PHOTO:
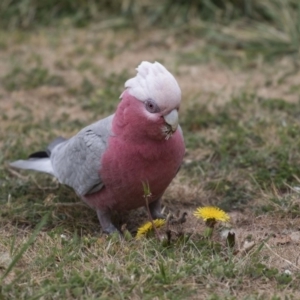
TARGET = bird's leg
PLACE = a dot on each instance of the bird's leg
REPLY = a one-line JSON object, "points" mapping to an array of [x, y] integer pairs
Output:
{"points": [[155, 209], [104, 217]]}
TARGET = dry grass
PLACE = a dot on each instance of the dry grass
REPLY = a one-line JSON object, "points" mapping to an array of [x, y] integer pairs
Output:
{"points": [[242, 154]]}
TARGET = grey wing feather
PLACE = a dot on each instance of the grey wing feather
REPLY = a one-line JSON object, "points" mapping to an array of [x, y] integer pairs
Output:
{"points": [[76, 162]]}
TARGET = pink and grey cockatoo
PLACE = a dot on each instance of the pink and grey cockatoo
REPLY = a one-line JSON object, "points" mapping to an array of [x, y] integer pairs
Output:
{"points": [[107, 162]]}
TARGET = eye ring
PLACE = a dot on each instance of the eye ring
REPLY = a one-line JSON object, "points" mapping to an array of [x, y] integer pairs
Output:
{"points": [[151, 106]]}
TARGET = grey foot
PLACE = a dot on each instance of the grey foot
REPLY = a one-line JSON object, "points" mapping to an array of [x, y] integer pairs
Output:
{"points": [[155, 210], [105, 221]]}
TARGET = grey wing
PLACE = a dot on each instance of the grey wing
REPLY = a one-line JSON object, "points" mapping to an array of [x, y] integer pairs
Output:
{"points": [[77, 161]]}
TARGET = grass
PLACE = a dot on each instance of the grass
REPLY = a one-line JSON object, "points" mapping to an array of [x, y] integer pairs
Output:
{"points": [[132, 271], [19, 78], [244, 143], [240, 117], [25, 14], [277, 21]]}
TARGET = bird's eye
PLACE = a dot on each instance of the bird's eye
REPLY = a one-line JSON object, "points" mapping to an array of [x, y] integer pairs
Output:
{"points": [[151, 106]]}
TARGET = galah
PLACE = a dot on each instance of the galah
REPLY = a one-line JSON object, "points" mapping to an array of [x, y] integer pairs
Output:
{"points": [[108, 163]]}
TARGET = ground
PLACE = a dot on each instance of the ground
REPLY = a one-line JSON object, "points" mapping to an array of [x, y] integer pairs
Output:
{"points": [[240, 118]]}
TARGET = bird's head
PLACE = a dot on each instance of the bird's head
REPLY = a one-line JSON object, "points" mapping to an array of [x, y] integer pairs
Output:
{"points": [[151, 100]]}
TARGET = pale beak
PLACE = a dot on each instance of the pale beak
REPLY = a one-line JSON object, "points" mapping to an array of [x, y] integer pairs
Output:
{"points": [[172, 119]]}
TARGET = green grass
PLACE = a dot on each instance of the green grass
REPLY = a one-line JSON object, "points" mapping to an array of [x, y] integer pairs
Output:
{"points": [[20, 78], [270, 27], [86, 267], [111, 91], [26, 14], [245, 145]]}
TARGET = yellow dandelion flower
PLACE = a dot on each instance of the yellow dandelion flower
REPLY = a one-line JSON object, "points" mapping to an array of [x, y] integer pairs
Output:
{"points": [[148, 227], [211, 212]]}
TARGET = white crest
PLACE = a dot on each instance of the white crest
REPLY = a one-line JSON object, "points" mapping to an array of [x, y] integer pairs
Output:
{"points": [[154, 81]]}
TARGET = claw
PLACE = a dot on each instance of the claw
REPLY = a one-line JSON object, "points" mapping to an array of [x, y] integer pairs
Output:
{"points": [[155, 209], [105, 221]]}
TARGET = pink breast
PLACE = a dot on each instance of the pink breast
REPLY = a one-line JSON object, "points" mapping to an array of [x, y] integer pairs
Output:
{"points": [[126, 166]]}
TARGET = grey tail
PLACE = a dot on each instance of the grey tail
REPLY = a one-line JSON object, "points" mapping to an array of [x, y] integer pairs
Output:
{"points": [[39, 161]]}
